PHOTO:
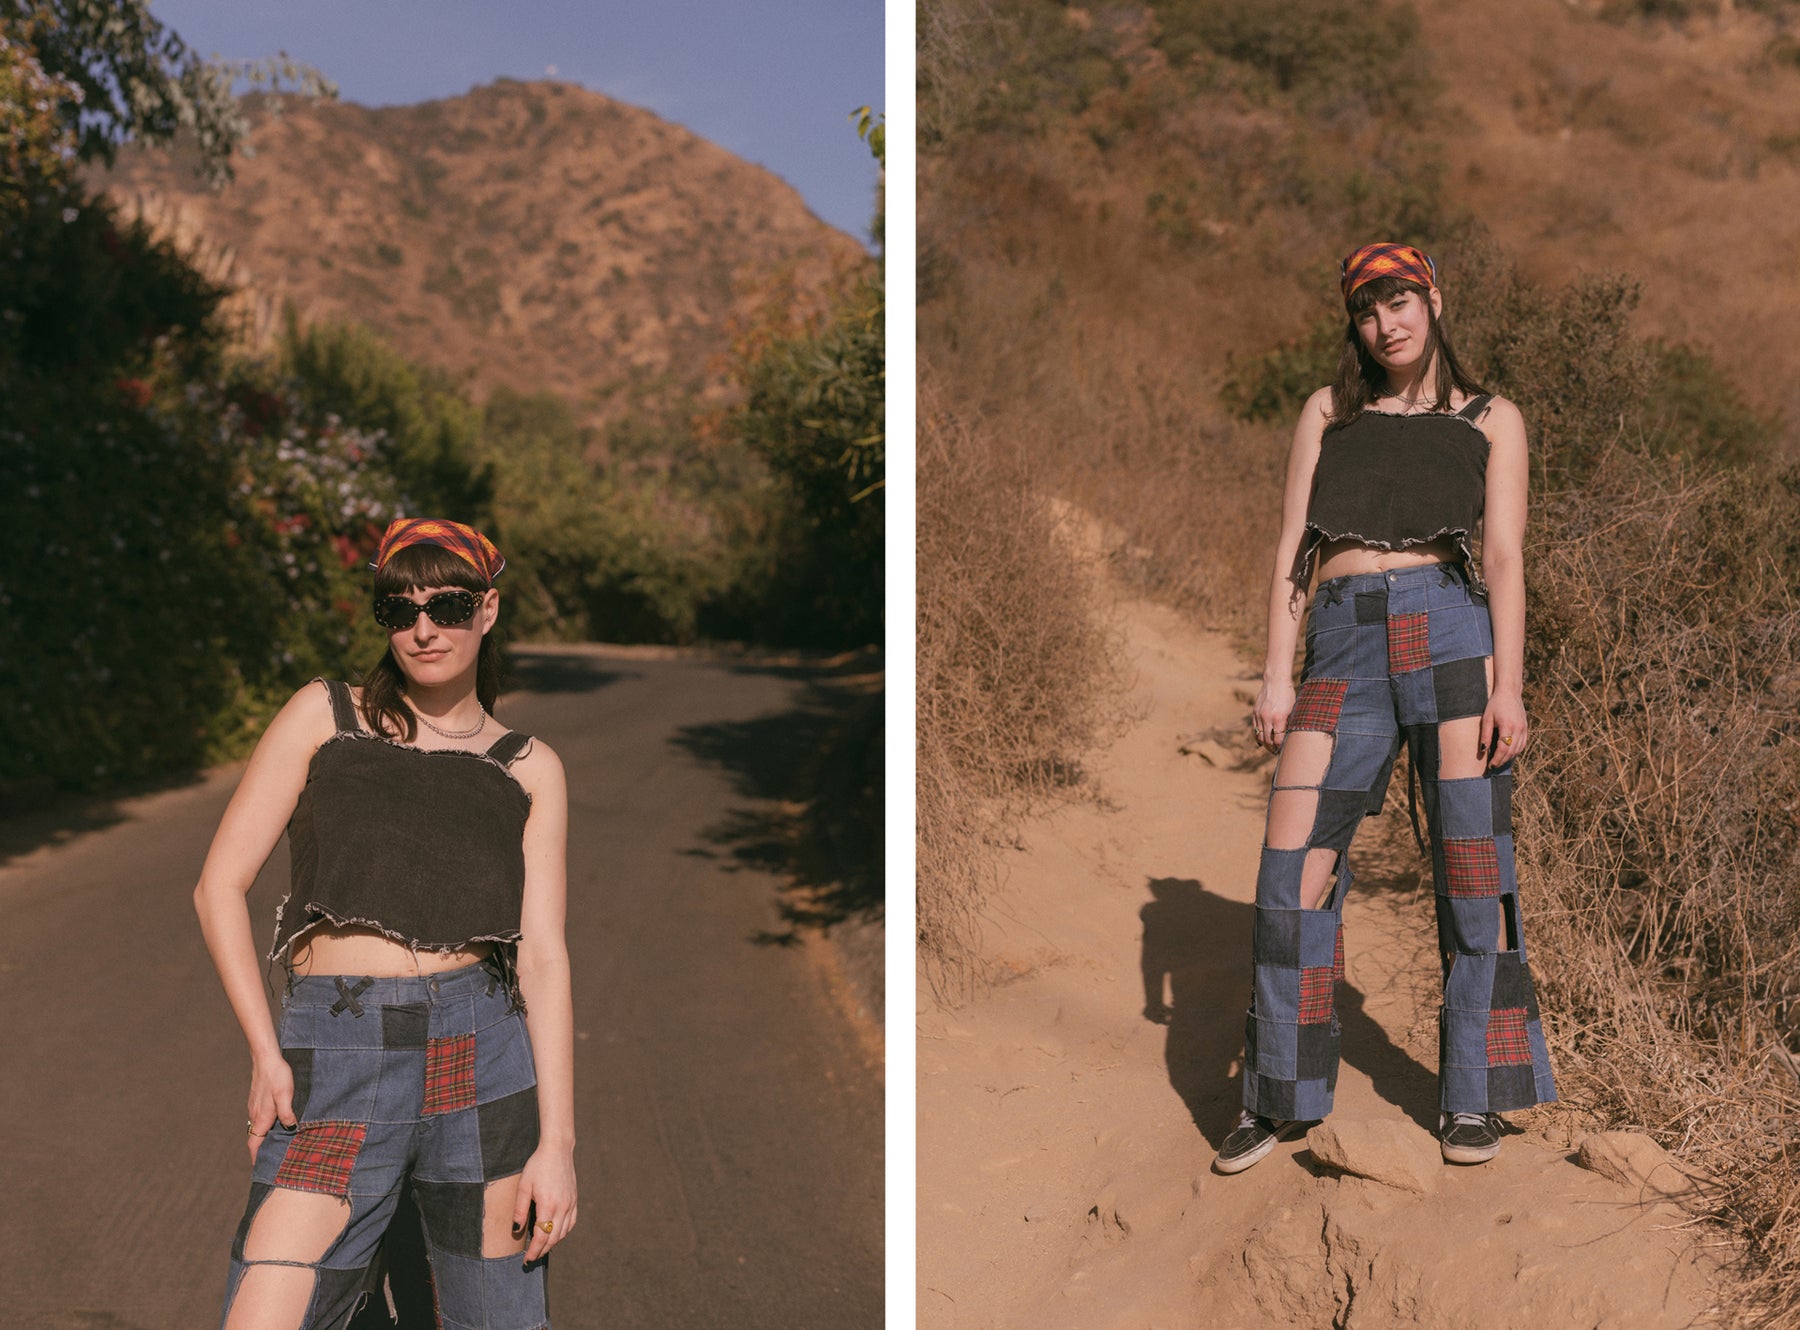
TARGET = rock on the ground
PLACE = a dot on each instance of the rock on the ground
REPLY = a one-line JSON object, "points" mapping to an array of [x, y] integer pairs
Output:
{"points": [[1634, 1160], [1397, 1154]]}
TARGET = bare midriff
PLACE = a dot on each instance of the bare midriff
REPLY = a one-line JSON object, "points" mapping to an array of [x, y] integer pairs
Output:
{"points": [[1346, 558], [327, 949]]}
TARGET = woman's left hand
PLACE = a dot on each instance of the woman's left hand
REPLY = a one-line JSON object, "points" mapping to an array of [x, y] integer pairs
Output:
{"points": [[1504, 729], [548, 1183]]}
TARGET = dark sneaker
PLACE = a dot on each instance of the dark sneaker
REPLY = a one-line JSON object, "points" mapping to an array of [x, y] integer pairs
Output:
{"points": [[1469, 1138], [1251, 1139]]}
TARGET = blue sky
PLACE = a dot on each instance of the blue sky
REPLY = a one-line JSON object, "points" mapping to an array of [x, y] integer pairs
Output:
{"points": [[773, 82]]}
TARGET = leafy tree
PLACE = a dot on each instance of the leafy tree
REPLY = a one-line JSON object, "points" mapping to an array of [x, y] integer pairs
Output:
{"points": [[429, 430], [814, 409], [122, 76]]}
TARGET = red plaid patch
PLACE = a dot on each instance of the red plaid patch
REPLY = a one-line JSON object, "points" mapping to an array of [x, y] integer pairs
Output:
{"points": [[449, 1074], [1317, 985], [1318, 705], [1472, 866], [1337, 960], [321, 1157], [1507, 1042], [1409, 643]]}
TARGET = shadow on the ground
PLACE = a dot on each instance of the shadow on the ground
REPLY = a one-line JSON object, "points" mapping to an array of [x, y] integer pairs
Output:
{"points": [[559, 672], [812, 780], [31, 819], [1198, 942]]}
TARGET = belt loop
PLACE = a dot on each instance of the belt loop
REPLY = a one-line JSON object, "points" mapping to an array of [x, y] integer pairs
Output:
{"points": [[1334, 592]]}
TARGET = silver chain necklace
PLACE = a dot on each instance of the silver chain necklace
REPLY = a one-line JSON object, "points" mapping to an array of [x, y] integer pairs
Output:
{"points": [[452, 734]]}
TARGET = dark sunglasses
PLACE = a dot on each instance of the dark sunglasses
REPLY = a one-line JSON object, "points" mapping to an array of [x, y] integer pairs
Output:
{"points": [[445, 608]]}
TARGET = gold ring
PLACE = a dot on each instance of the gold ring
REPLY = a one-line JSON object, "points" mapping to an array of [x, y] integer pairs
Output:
{"points": [[1506, 739], [546, 1225]]}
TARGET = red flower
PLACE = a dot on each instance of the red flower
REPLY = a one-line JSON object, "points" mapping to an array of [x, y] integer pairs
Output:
{"points": [[135, 392], [347, 552]]}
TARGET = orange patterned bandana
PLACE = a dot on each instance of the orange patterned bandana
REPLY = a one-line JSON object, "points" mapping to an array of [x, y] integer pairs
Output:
{"points": [[465, 542], [1386, 259]]}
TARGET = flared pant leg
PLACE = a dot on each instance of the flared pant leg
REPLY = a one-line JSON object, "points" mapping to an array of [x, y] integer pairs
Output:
{"points": [[1394, 657]]}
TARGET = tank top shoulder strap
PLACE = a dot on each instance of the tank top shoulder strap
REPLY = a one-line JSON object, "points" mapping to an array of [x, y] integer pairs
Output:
{"points": [[1473, 408], [508, 746], [343, 709]]}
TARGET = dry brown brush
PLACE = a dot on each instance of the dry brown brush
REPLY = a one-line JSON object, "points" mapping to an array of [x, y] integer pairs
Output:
{"points": [[1658, 824], [1018, 670]]}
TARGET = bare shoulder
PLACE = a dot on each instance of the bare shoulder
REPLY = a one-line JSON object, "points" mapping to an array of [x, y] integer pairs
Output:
{"points": [[539, 769], [306, 718], [1501, 417], [1318, 406]]}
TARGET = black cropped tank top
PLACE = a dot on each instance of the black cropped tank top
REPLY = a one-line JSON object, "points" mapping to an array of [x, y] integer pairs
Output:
{"points": [[423, 845], [1392, 481]]}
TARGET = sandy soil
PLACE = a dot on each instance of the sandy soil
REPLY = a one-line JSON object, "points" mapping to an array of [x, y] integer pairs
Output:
{"points": [[1065, 1139]]}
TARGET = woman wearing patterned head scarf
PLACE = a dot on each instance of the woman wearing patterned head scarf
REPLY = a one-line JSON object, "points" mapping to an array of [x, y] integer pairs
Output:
{"points": [[1393, 469], [425, 1036]]}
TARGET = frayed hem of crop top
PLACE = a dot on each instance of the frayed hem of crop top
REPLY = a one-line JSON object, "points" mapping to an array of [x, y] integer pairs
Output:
{"points": [[317, 914], [1317, 536]]}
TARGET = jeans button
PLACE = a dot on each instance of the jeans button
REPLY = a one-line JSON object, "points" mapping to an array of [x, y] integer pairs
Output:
{"points": [[434, 986]]}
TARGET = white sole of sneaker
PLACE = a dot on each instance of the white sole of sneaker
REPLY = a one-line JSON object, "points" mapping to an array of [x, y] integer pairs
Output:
{"points": [[1261, 1152], [1464, 1154]]}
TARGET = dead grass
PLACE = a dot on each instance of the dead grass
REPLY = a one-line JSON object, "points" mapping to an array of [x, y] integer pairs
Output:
{"points": [[1019, 673], [1084, 298]]}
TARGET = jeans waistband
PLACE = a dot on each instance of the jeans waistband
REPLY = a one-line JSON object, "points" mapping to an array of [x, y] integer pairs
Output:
{"points": [[393, 990], [1445, 574]]}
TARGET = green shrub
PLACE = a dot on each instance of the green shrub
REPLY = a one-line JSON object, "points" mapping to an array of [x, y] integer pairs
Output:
{"points": [[814, 412]]}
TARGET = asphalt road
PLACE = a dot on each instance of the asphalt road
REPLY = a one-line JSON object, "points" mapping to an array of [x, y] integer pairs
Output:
{"points": [[729, 1126]]}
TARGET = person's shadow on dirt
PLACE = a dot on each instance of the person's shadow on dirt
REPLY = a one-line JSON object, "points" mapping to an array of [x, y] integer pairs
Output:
{"points": [[1199, 942]]}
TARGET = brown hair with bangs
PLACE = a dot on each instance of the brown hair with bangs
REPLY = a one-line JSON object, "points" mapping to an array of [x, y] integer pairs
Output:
{"points": [[1360, 376], [384, 707]]}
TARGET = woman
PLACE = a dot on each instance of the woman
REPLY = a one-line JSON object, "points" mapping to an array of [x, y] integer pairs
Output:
{"points": [[1390, 471], [426, 1033]]}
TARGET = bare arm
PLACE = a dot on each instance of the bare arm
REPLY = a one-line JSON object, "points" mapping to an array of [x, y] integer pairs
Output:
{"points": [[1287, 600], [252, 824], [549, 1178], [1503, 566]]}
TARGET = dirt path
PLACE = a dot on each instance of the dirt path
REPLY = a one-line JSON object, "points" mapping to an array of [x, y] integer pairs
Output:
{"points": [[1065, 1140], [729, 1123]]}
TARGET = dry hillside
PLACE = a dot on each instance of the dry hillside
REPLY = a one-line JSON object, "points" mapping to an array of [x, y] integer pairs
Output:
{"points": [[532, 235], [1668, 151]]}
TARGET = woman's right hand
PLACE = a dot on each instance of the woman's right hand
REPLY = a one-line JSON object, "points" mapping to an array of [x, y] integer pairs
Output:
{"points": [[1270, 716], [271, 1099]]}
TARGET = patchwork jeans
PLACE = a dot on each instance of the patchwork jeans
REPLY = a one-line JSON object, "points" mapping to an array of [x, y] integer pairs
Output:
{"points": [[1390, 657], [426, 1076]]}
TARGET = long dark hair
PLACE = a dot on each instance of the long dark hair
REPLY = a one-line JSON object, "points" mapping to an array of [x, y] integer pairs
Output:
{"points": [[1360, 376], [384, 686]]}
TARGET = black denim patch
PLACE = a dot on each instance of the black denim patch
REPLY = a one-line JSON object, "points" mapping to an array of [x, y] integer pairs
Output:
{"points": [[1500, 786], [403, 1025], [509, 1133], [1371, 606], [1275, 1099], [1338, 815], [338, 1294], [451, 1214], [1277, 938], [259, 1192], [300, 1062], [1512, 983], [1461, 687], [1318, 1053], [1512, 1086]]}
